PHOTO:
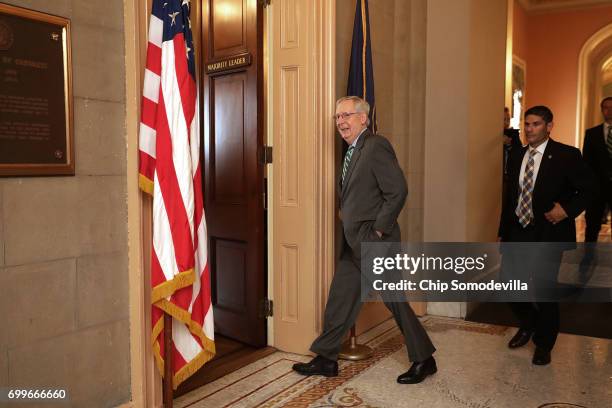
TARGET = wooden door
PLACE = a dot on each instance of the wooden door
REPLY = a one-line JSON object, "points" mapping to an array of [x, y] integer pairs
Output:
{"points": [[232, 90]]}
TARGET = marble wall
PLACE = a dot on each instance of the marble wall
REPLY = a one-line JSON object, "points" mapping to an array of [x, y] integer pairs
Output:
{"points": [[63, 240], [398, 38]]}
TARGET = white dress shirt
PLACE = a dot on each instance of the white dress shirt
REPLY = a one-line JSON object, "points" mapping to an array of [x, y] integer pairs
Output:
{"points": [[358, 136], [537, 159]]}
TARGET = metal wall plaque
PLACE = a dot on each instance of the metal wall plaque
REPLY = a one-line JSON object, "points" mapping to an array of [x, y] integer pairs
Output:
{"points": [[35, 94], [230, 64]]}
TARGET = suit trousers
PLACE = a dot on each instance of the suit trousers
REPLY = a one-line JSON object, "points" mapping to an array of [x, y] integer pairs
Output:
{"points": [[540, 268], [595, 212], [344, 304]]}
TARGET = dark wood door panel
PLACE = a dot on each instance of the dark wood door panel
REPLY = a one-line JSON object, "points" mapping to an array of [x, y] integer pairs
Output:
{"points": [[230, 258], [234, 297], [228, 27], [233, 175], [228, 144]]}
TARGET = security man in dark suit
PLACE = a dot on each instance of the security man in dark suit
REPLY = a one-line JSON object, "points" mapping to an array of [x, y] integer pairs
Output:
{"points": [[372, 191], [549, 186], [597, 152]]}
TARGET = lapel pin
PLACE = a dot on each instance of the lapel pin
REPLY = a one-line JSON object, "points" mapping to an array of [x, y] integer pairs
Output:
{"points": [[550, 156]]}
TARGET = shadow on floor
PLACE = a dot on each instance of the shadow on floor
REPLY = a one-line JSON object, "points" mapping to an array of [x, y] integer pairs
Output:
{"points": [[584, 319]]}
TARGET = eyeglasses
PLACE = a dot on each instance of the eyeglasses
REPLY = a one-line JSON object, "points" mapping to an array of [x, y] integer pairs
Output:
{"points": [[344, 115]]}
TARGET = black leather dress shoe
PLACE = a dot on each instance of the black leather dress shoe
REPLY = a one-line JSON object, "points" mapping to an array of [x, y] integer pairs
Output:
{"points": [[520, 338], [541, 356], [418, 372], [318, 366]]}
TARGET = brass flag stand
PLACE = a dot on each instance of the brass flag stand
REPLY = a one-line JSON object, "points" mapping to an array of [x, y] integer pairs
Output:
{"points": [[353, 351]]}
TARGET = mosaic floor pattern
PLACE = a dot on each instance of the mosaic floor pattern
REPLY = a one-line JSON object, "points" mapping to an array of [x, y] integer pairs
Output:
{"points": [[475, 370]]}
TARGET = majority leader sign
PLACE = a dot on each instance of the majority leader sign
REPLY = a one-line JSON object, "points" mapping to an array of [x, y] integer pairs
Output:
{"points": [[35, 94]]}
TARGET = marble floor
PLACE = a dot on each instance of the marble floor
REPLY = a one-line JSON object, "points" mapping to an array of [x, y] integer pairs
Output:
{"points": [[475, 370]]}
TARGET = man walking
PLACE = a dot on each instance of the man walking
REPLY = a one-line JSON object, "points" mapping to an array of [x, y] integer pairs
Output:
{"points": [[372, 193], [597, 151], [549, 186]]}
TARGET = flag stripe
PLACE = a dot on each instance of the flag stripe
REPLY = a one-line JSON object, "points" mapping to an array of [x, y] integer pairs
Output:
{"points": [[175, 210], [149, 113], [185, 344], [151, 86], [170, 170], [154, 58], [185, 83], [157, 272], [177, 126], [147, 140], [164, 248], [194, 135], [156, 31], [181, 179], [178, 361]]}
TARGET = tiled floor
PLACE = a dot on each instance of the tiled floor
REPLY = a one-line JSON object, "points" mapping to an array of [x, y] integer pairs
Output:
{"points": [[475, 370]]}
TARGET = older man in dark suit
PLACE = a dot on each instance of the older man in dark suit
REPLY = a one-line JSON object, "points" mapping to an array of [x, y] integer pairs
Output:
{"points": [[549, 186], [372, 193], [597, 153]]}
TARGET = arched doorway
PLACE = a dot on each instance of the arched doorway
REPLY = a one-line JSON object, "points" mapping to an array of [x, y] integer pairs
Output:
{"points": [[594, 58]]}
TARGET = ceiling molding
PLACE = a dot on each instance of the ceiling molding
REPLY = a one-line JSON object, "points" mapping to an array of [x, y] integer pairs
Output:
{"points": [[555, 5]]}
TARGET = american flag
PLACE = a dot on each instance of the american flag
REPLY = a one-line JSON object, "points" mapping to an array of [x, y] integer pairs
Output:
{"points": [[170, 170]]}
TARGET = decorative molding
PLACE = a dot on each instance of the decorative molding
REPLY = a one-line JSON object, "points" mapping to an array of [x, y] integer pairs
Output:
{"points": [[555, 5], [589, 48], [290, 24], [290, 284], [606, 72], [324, 69], [303, 205], [145, 384], [290, 135]]}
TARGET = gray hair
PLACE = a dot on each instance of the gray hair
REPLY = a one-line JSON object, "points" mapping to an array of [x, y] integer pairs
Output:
{"points": [[360, 104]]}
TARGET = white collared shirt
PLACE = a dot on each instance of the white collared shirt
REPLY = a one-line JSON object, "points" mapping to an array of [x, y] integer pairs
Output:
{"points": [[537, 159], [357, 138]]}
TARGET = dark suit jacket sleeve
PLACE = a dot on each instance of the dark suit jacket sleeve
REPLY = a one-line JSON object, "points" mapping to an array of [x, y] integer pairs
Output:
{"points": [[582, 181], [510, 196], [587, 150], [508, 205], [392, 185], [514, 135], [502, 218]]}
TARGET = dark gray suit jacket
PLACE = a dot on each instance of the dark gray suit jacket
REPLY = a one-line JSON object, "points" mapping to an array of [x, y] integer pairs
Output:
{"points": [[373, 193]]}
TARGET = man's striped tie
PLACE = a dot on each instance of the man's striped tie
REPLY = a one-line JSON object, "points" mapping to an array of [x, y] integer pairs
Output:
{"points": [[524, 211], [347, 161], [609, 141]]}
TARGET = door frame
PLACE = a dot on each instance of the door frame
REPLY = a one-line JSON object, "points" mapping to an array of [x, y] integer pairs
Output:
{"points": [[145, 382], [588, 108], [244, 324], [300, 85]]}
